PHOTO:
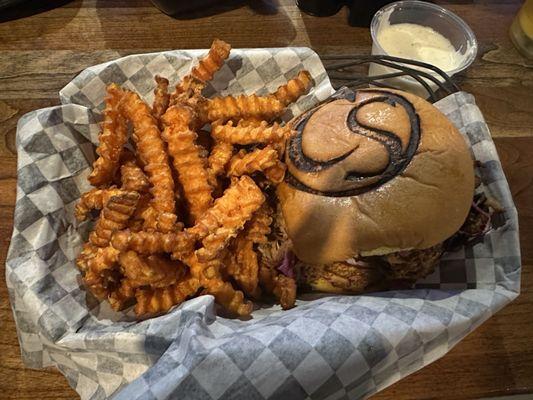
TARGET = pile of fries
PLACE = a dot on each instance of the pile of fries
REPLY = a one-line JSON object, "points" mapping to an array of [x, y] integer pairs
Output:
{"points": [[186, 201]]}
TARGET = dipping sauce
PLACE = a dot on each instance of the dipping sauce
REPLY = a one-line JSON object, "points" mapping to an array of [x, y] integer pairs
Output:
{"points": [[420, 43], [422, 32]]}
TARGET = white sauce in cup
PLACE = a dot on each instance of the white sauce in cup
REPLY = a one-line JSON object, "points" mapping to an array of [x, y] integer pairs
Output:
{"points": [[420, 43], [422, 32]]}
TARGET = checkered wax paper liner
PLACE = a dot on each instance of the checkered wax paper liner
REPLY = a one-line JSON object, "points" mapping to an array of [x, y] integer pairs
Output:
{"points": [[327, 347]]}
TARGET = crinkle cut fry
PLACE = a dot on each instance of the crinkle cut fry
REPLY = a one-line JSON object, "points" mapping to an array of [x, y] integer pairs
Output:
{"points": [[101, 276], [97, 265], [212, 62], [293, 89], [114, 217], [208, 273], [177, 243], [94, 199], [153, 221], [221, 154], [232, 209], [253, 106], [228, 215], [159, 221], [192, 84], [152, 301], [188, 92], [240, 107], [161, 97], [250, 122], [244, 163], [223, 220], [243, 265], [187, 159], [281, 286], [258, 228], [279, 146], [152, 152], [231, 299], [285, 291], [276, 173], [137, 221], [133, 178], [100, 285], [111, 139], [123, 296], [271, 280], [154, 270], [250, 134], [104, 258], [87, 252]]}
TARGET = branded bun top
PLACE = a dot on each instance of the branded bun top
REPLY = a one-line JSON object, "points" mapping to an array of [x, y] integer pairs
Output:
{"points": [[379, 172]]}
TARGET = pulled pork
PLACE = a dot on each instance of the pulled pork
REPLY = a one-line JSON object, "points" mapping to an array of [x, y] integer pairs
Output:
{"points": [[399, 269]]}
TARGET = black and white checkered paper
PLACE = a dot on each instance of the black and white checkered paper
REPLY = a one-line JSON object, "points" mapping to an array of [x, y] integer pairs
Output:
{"points": [[328, 347]]}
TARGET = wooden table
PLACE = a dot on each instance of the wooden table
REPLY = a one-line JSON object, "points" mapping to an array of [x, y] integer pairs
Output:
{"points": [[39, 54]]}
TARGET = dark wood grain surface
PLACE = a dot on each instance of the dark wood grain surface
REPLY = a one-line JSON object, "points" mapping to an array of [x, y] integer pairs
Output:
{"points": [[40, 53]]}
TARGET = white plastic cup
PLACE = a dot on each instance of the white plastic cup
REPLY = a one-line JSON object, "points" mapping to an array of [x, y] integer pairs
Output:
{"points": [[439, 19]]}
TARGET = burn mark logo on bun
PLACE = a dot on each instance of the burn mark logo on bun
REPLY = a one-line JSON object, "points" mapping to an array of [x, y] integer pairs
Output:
{"points": [[394, 151]]}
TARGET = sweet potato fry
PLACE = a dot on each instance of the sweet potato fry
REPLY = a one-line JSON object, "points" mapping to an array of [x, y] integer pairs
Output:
{"points": [[187, 159], [240, 107], [97, 284], [104, 258], [293, 89], [152, 152], [231, 299], [245, 267], [253, 106], [179, 243], [243, 263], [161, 98], [212, 62], [245, 135], [228, 215], [258, 228], [208, 274], [113, 217], [133, 178], [153, 270], [285, 291], [88, 251], [276, 173], [281, 286], [98, 268], [94, 199], [221, 154], [244, 163], [155, 301], [111, 140], [123, 296], [231, 210], [192, 84]]}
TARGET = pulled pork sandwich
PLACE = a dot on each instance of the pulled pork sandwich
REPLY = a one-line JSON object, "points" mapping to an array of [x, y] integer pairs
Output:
{"points": [[379, 185]]}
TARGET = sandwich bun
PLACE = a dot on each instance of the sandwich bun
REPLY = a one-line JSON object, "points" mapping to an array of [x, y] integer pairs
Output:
{"points": [[380, 172]]}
